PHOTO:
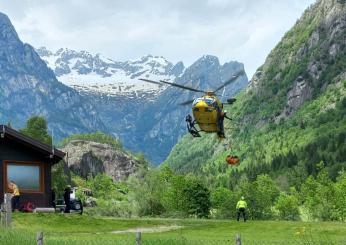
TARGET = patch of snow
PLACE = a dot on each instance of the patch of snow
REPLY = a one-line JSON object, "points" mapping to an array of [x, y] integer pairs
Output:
{"points": [[110, 77]]}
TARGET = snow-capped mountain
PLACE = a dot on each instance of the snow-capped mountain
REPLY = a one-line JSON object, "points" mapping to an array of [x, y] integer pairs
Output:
{"points": [[97, 74]]}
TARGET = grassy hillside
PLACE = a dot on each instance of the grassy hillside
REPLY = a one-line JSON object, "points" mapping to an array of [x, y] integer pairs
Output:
{"points": [[292, 116]]}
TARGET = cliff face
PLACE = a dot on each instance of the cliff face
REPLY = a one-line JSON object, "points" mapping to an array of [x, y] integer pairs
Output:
{"points": [[309, 58], [91, 158], [28, 87]]}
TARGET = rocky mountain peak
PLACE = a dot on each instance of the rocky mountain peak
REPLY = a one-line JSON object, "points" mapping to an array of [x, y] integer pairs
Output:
{"points": [[7, 31], [178, 69], [43, 51], [207, 73], [207, 60]]}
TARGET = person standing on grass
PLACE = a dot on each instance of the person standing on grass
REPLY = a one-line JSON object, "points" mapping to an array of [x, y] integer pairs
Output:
{"points": [[67, 198], [241, 208], [15, 196]]}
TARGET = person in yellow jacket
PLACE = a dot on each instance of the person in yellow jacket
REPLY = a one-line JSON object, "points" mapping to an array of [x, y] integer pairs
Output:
{"points": [[241, 208], [15, 196]]}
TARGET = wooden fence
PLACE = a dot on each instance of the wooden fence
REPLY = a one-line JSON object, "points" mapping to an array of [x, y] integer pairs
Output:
{"points": [[138, 239], [6, 211]]}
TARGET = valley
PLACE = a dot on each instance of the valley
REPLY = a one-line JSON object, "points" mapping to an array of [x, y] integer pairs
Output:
{"points": [[131, 162]]}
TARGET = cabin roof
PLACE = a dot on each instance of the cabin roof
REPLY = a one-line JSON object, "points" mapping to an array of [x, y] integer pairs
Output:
{"points": [[9, 133]]}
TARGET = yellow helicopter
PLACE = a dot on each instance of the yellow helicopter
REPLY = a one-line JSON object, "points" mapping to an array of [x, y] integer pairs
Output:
{"points": [[207, 110]]}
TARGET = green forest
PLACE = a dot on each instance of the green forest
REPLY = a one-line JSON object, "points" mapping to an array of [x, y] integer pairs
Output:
{"points": [[164, 192]]}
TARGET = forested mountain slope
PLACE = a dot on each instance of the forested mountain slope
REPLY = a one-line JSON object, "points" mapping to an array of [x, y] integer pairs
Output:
{"points": [[292, 115]]}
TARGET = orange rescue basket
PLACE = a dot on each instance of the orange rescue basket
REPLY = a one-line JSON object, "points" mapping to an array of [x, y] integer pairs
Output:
{"points": [[232, 160]]}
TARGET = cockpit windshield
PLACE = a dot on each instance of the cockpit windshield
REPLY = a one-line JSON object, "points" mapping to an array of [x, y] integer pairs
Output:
{"points": [[209, 101]]}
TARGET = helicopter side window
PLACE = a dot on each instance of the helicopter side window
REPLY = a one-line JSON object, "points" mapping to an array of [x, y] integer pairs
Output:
{"points": [[196, 101]]}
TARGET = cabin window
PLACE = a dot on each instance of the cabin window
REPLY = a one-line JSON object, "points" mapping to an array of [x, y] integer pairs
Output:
{"points": [[27, 176]]}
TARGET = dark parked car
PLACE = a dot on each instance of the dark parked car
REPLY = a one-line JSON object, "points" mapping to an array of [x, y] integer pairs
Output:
{"points": [[76, 206]]}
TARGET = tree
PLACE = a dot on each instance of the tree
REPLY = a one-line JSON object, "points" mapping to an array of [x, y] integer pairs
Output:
{"points": [[198, 198], [61, 177], [340, 187], [260, 196], [174, 198], [36, 127], [288, 206], [319, 195], [102, 186], [148, 193], [223, 202]]}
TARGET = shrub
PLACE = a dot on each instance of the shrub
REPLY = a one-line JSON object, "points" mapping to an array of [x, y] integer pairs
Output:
{"points": [[223, 202], [288, 206], [197, 197]]}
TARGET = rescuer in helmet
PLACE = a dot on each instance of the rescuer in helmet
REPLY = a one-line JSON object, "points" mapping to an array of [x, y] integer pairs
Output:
{"points": [[241, 208]]}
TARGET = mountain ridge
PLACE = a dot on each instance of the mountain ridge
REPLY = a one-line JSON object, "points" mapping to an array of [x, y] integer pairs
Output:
{"points": [[90, 73]]}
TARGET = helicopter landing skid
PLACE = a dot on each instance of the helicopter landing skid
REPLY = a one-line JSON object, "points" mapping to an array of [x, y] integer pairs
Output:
{"points": [[191, 126]]}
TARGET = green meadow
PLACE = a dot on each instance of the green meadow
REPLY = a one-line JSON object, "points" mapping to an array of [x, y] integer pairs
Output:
{"points": [[84, 230]]}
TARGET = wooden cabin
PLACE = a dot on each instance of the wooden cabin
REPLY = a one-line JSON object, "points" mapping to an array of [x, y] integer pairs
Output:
{"points": [[27, 162]]}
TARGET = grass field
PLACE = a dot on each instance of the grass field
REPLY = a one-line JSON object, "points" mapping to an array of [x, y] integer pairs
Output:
{"points": [[76, 229]]}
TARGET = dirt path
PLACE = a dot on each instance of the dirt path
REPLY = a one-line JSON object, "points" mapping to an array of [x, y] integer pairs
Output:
{"points": [[155, 229]]}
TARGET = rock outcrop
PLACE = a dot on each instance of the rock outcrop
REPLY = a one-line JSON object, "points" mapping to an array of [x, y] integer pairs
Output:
{"points": [[91, 158], [305, 62]]}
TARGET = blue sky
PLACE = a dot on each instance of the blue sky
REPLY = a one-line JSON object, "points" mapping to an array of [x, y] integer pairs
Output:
{"points": [[179, 30]]}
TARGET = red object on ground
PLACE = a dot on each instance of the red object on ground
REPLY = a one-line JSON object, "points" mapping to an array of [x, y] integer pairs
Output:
{"points": [[232, 160], [28, 207]]}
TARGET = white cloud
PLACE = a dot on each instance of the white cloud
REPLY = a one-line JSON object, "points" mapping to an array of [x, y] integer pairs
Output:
{"points": [[180, 30]]}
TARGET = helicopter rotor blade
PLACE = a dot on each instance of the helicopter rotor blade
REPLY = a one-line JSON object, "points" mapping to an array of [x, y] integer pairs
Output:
{"points": [[187, 102], [172, 84], [234, 77], [150, 81]]}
